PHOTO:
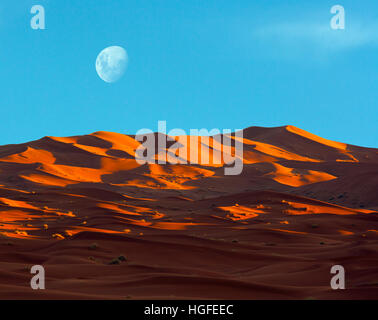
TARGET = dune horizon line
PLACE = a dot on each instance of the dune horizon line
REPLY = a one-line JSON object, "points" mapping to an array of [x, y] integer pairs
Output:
{"points": [[206, 131]]}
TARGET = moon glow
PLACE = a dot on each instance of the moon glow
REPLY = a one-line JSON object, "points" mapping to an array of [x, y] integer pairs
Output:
{"points": [[111, 63]]}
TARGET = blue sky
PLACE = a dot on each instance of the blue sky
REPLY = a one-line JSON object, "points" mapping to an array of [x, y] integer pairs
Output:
{"points": [[194, 63]]}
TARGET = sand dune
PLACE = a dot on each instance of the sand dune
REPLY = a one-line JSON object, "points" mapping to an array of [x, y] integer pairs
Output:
{"points": [[302, 204]]}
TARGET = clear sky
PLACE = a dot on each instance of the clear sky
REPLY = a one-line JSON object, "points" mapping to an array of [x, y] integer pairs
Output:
{"points": [[194, 63]]}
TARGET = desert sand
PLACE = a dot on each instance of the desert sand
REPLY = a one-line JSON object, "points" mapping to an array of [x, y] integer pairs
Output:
{"points": [[105, 227]]}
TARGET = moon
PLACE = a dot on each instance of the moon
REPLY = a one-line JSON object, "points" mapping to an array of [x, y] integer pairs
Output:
{"points": [[111, 63]]}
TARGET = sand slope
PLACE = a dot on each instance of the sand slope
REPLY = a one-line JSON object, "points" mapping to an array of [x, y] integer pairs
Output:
{"points": [[301, 205]]}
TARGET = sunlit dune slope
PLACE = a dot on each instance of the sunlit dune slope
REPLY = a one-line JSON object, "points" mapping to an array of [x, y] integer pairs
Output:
{"points": [[282, 159]]}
